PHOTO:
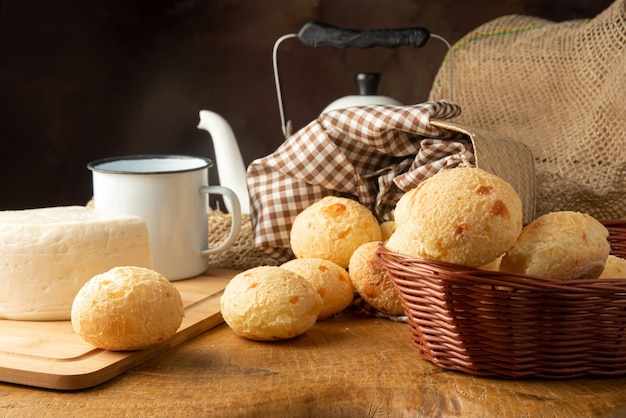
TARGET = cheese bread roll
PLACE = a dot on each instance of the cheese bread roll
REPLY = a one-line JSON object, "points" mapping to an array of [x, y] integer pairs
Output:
{"points": [[371, 281], [269, 303], [560, 245], [127, 308], [331, 282], [614, 268], [332, 228], [463, 215]]}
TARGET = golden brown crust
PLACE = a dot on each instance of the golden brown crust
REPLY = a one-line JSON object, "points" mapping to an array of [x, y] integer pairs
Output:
{"points": [[492, 266], [464, 215], [560, 245], [332, 228], [127, 308], [387, 229], [371, 281], [614, 268], [331, 282], [269, 303]]}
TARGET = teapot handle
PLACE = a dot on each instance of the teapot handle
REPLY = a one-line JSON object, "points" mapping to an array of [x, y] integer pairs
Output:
{"points": [[316, 34]]}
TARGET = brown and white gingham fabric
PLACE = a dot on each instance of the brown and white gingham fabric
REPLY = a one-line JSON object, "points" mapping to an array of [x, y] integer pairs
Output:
{"points": [[372, 154]]}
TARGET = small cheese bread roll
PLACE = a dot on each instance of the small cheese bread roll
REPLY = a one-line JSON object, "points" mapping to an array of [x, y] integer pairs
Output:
{"points": [[493, 266], [404, 211], [387, 228], [463, 215], [269, 303], [332, 228], [127, 308], [371, 281], [560, 245], [614, 268], [329, 280]]}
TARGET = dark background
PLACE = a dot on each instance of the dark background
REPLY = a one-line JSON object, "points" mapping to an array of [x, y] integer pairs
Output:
{"points": [[88, 79]]}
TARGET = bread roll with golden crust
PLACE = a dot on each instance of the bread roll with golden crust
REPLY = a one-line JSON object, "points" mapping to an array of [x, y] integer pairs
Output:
{"points": [[614, 268], [371, 281], [463, 215], [127, 308], [332, 228], [331, 282], [269, 303], [493, 266], [402, 211], [560, 245], [387, 229]]}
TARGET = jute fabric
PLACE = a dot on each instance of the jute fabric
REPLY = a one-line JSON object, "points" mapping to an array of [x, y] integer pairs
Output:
{"points": [[559, 88]]}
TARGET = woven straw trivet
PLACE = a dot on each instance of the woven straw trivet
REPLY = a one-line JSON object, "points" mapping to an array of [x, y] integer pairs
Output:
{"points": [[242, 255]]}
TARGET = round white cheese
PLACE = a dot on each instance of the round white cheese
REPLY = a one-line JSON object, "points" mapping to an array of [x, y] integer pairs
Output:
{"points": [[48, 254]]}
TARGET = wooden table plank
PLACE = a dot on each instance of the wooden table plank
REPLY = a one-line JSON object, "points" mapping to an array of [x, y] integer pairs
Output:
{"points": [[346, 366]]}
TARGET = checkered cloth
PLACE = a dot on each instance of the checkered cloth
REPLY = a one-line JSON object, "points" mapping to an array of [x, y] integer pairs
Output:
{"points": [[372, 154]]}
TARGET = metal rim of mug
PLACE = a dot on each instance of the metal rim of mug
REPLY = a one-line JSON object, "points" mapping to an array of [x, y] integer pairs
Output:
{"points": [[93, 165]]}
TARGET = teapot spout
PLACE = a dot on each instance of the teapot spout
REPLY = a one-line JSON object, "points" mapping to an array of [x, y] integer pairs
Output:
{"points": [[230, 167]]}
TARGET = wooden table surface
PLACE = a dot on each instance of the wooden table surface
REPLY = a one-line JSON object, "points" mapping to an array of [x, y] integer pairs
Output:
{"points": [[348, 366]]}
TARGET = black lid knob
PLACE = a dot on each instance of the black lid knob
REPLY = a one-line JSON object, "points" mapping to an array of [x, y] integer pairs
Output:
{"points": [[367, 83]]}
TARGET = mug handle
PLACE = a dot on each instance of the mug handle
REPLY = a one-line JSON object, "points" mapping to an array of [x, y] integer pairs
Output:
{"points": [[235, 225]]}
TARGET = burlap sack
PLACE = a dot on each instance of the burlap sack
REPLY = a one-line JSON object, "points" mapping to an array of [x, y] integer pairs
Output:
{"points": [[559, 88]]}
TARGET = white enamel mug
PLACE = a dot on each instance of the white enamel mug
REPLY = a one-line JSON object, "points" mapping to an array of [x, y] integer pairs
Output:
{"points": [[170, 193]]}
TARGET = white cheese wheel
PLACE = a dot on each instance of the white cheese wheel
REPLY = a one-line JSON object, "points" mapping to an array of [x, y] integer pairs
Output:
{"points": [[48, 254]]}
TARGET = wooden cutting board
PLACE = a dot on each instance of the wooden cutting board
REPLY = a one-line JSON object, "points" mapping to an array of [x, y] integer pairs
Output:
{"points": [[49, 354]]}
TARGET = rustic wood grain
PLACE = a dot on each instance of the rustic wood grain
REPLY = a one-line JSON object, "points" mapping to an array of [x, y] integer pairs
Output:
{"points": [[49, 354], [347, 366]]}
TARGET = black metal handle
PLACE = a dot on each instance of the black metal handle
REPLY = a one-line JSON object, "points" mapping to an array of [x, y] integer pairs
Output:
{"points": [[316, 34]]}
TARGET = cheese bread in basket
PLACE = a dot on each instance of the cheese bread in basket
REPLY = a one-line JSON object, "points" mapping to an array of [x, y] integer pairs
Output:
{"points": [[492, 323], [487, 295]]}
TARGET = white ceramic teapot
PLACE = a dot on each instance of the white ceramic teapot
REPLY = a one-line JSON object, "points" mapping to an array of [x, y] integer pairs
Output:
{"points": [[230, 167]]}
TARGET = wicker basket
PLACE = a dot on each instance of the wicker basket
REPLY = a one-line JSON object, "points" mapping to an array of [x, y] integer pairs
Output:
{"points": [[513, 326]]}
